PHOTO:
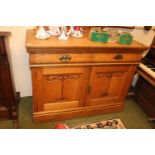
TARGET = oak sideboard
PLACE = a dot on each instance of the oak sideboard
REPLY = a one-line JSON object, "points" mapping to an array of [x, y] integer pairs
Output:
{"points": [[78, 77]]}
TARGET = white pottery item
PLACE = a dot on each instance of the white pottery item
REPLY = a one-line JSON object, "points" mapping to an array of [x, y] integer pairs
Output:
{"points": [[64, 34], [41, 33]]}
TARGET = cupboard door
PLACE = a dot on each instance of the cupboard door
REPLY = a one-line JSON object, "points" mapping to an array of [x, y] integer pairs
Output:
{"points": [[108, 84], [59, 88]]}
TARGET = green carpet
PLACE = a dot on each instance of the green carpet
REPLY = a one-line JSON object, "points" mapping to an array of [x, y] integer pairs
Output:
{"points": [[132, 116]]}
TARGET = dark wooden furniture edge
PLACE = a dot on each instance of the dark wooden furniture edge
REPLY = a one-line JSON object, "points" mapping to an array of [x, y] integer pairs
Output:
{"points": [[3, 33], [146, 76], [16, 117]]}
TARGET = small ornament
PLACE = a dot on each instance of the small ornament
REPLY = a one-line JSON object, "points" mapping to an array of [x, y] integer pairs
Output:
{"points": [[64, 34], [96, 34], [125, 38], [41, 33], [114, 35], [54, 30], [76, 31]]}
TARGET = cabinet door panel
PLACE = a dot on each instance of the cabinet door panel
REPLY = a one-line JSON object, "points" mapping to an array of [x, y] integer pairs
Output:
{"points": [[60, 88], [52, 89], [108, 84]]}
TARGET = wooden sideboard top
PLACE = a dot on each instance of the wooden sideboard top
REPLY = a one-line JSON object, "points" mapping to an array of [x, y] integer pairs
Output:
{"points": [[84, 42]]}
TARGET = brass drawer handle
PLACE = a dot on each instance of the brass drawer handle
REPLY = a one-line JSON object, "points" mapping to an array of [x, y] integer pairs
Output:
{"points": [[65, 58], [118, 57]]}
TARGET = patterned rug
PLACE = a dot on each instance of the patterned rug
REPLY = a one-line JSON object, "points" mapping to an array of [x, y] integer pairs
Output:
{"points": [[115, 123]]}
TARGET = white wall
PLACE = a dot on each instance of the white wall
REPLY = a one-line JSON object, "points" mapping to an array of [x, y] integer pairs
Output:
{"points": [[20, 59], [143, 36]]}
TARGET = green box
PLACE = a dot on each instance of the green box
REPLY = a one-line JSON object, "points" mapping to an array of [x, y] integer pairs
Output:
{"points": [[99, 37], [125, 39]]}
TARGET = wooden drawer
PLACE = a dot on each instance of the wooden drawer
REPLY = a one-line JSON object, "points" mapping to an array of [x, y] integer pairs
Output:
{"points": [[116, 57], [42, 58], [47, 58]]}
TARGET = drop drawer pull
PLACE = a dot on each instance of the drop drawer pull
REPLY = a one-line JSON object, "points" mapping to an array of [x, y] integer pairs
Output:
{"points": [[65, 58], [118, 56]]}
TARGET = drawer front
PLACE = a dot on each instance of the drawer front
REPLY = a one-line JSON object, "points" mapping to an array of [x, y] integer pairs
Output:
{"points": [[116, 57], [47, 58], [42, 58]]}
